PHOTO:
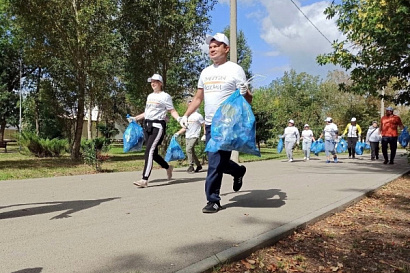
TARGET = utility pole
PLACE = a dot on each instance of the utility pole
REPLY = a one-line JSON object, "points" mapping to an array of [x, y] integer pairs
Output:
{"points": [[233, 54], [382, 104], [20, 123]]}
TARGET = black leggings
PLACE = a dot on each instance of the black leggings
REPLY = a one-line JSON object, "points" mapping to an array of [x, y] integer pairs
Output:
{"points": [[153, 138], [351, 145]]}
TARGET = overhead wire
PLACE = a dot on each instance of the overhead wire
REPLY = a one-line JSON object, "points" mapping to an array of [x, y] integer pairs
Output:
{"points": [[311, 22]]}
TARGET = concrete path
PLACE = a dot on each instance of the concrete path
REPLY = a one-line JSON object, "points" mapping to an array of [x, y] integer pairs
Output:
{"points": [[102, 223]]}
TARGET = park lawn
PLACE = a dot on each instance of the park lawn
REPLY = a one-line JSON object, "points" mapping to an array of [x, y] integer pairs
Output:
{"points": [[19, 165]]}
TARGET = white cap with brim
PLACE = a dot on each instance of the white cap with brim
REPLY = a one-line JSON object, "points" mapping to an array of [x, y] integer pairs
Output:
{"points": [[292, 121], [329, 119], [220, 37], [306, 125], [155, 77], [353, 119]]}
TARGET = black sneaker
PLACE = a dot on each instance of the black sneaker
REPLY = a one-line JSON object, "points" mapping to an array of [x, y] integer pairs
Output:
{"points": [[190, 169], [391, 162], [198, 168], [212, 207], [237, 180], [385, 162]]}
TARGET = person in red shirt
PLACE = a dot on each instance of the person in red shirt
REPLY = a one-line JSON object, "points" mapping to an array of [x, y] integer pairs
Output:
{"points": [[388, 128]]}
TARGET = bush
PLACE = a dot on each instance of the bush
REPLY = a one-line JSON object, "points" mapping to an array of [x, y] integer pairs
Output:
{"points": [[92, 151], [41, 147], [272, 142]]}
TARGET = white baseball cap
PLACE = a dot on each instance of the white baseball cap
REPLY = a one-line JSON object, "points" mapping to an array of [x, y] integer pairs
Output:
{"points": [[291, 121], [353, 119], [155, 77], [220, 37], [329, 119], [306, 125]]}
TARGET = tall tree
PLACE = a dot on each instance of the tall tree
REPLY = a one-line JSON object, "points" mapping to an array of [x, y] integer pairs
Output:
{"points": [[160, 37], [244, 52], [76, 44], [9, 69], [376, 48]]}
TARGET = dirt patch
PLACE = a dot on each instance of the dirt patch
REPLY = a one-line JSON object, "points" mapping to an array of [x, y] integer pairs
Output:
{"points": [[371, 236]]}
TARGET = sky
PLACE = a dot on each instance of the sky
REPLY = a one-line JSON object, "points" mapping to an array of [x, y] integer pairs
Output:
{"points": [[280, 36]]}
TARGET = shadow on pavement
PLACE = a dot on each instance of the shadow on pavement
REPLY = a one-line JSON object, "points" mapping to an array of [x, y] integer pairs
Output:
{"points": [[29, 270], [273, 198], [69, 207], [175, 181]]}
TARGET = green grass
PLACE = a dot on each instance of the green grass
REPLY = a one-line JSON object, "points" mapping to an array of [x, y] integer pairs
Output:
{"points": [[18, 165]]}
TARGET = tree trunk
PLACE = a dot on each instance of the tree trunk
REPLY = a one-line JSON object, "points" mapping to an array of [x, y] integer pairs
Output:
{"points": [[2, 129], [75, 151], [36, 103], [90, 121]]}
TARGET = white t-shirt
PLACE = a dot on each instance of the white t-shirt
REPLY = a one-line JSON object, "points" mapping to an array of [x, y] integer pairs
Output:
{"points": [[157, 106], [330, 131], [307, 135], [291, 134], [195, 120], [219, 82]]}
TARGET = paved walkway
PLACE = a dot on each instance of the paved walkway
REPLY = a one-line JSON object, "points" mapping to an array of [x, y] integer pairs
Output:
{"points": [[102, 223]]}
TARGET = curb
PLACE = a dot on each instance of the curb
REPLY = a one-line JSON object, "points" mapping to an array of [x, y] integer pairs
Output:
{"points": [[269, 238]]}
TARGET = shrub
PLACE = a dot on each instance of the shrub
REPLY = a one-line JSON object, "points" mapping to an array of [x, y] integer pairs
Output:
{"points": [[41, 147], [92, 151]]}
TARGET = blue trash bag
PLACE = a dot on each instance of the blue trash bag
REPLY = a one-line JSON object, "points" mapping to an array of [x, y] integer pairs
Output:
{"points": [[404, 137], [233, 127], [366, 146], [343, 145], [133, 137], [339, 148], [359, 148], [319, 147], [280, 146], [174, 151], [313, 146]]}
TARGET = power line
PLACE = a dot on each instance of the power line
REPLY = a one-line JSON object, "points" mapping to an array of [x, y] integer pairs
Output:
{"points": [[311, 22]]}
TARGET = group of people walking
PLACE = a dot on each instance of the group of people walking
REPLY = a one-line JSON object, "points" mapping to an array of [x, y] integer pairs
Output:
{"points": [[387, 133], [216, 83]]}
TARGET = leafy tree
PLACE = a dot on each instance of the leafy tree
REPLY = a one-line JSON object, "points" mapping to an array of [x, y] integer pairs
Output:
{"points": [[376, 48], [244, 52], [9, 70], [160, 36], [306, 99], [76, 44]]}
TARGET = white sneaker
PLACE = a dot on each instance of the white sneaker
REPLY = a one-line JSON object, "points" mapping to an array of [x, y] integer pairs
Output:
{"points": [[304, 158], [308, 158], [142, 183], [291, 160], [169, 172]]}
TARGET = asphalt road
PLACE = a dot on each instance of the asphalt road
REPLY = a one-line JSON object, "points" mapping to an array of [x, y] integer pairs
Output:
{"points": [[103, 223]]}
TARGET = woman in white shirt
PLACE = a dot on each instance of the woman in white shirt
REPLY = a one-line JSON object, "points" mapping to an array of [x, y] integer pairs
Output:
{"points": [[373, 137], [157, 107], [330, 132], [307, 138], [291, 136]]}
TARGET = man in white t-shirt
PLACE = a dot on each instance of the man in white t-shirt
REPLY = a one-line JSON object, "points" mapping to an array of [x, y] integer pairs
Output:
{"points": [[216, 83], [330, 132], [192, 133]]}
